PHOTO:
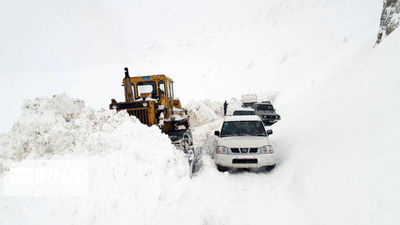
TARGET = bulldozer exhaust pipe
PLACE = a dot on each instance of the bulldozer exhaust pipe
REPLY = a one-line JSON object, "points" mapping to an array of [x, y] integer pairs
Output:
{"points": [[126, 72], [128, 86]]}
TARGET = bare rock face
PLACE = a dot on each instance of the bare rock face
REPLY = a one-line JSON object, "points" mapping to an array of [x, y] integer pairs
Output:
{"points": [[390, 18]]}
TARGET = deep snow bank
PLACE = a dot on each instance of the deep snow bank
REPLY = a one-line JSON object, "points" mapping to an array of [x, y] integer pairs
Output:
{"points": [[338, 141], [60, 125], [206, 111], [131, 167]]}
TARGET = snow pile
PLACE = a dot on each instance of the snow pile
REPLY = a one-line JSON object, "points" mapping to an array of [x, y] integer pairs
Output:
{"points": [[61, 124], [125, 159], [206, 111], [202, 112]]}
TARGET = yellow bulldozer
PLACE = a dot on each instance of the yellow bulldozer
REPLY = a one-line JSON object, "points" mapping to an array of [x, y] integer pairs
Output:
{"points": [[151, 99]]}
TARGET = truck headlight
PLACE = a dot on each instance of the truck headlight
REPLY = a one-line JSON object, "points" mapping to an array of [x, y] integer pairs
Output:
{"points": [[145, 104], [221, 150], [267, 149]]}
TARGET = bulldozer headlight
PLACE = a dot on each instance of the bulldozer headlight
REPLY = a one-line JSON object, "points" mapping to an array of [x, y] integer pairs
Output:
{"points": [[221, 150], [145, 104]]}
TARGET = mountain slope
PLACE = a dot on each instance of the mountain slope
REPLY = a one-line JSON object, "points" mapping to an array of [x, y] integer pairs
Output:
{"points": [[213, 50]]}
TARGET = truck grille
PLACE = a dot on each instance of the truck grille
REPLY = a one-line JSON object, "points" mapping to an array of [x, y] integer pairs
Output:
{"points": [[244, 161], [244, 150], [253, 150], [235, 150], [141, 114]]}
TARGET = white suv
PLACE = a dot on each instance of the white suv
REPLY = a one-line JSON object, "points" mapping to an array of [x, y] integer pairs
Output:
{"points": [[243, 143]]}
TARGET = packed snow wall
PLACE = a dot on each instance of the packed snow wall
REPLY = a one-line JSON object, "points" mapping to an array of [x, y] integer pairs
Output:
{"points": [[60, 124], [121, 158]]}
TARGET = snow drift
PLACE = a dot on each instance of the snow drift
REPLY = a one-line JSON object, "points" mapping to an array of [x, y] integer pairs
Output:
{"points": [[125, 160], [61, 125], [206, 111]]}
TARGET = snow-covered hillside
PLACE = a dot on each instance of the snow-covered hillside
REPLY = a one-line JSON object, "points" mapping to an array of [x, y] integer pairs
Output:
{"points": [[213, 50]]}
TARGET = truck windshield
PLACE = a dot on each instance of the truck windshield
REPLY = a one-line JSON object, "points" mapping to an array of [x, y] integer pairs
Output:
{"points": [[265, 107], [243, 128], [243, 113]]}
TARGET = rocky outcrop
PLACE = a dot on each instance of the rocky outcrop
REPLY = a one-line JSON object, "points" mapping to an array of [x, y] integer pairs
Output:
{"points": [[390, 18]]}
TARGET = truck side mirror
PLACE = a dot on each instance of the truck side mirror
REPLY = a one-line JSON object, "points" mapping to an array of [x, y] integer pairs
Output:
{"points": [[216, 133], [269, 132]]}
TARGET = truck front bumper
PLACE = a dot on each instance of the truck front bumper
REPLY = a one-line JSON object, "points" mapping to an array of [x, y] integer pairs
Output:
{"points": [[245, 160]]}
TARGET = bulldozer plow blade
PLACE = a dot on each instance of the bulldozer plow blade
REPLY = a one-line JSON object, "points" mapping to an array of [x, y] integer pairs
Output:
{"points": [[182, 139]]}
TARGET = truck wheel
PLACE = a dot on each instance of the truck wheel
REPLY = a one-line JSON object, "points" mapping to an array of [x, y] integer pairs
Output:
{"points": [[269, 168], [222, 168]]}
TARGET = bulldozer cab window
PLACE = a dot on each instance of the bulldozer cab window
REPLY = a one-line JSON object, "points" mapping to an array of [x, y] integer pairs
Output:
{"points": [[161, 87], [170, 90], [147, 87]]}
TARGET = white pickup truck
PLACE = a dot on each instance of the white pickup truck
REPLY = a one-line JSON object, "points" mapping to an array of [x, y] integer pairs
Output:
{"points": [[243, 143]]}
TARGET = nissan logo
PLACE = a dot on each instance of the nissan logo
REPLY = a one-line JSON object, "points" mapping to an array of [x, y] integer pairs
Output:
{"points": [[244, 150]]}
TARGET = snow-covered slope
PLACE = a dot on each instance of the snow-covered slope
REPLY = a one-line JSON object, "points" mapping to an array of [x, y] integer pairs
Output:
{"points": [[213, 50], [339, 142]]}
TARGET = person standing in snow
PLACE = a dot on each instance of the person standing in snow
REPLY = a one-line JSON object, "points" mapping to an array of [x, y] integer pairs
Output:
{"points": [[225, 107]]}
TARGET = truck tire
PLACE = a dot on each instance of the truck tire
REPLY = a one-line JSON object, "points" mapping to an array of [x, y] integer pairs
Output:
{"points": [[222, 168], [269, 168]]}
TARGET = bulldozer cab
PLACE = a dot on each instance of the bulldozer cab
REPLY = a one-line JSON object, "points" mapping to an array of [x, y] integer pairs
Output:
{"points": [[151, 99], [153, 87]]}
